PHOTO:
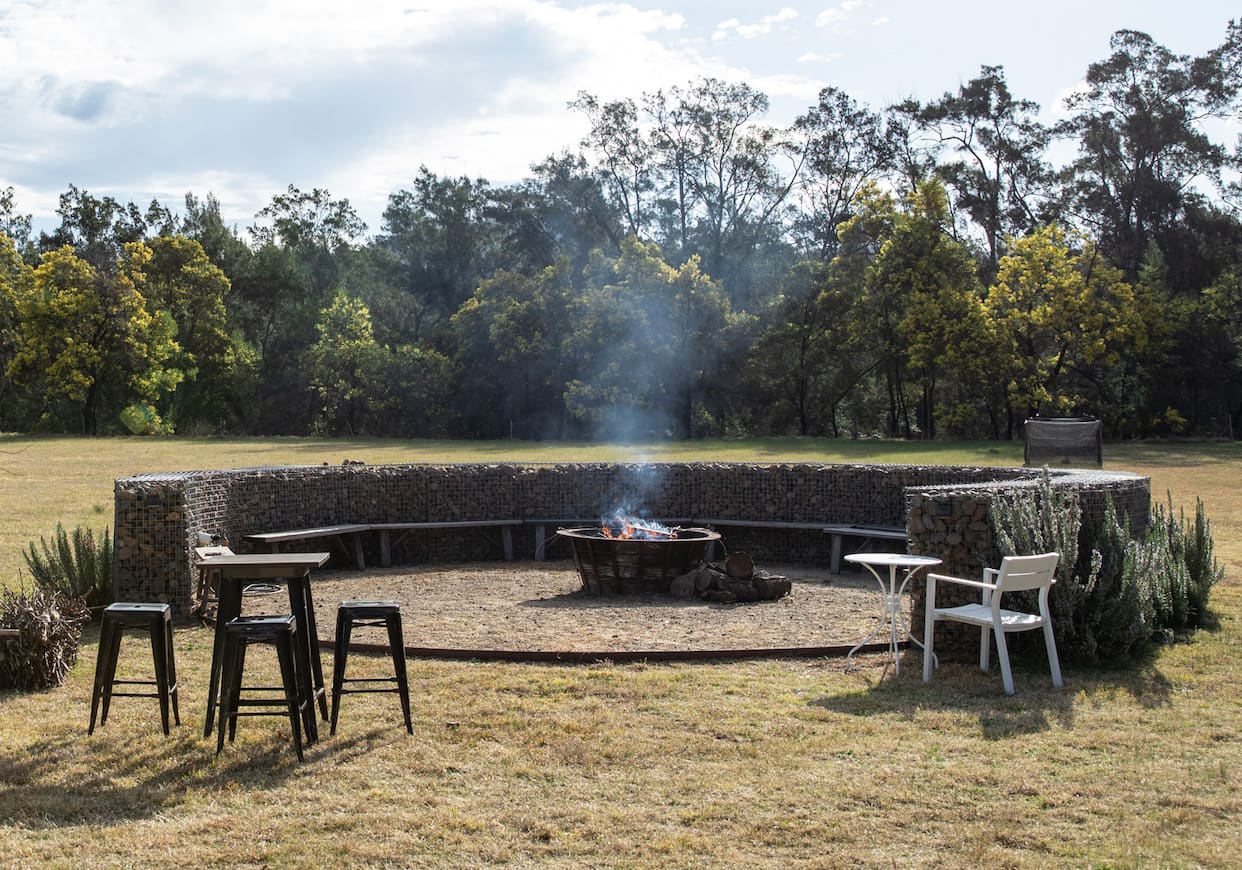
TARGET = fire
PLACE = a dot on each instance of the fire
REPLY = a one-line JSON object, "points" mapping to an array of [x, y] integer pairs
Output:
{"points": [[628, 527]]}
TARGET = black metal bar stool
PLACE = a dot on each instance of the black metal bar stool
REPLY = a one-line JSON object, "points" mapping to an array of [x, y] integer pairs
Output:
{"points": [[156, 620], [369, 614], [239, 633]]}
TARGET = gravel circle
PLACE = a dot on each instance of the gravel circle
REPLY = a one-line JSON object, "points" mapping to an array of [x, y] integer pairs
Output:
{"points": [[541, 607]]}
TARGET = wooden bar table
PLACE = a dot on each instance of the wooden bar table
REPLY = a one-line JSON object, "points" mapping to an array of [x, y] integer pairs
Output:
{"points": [[292, 570]]}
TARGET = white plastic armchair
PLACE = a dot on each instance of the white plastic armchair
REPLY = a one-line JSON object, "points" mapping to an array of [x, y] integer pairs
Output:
{"points": [[1016, 574]]}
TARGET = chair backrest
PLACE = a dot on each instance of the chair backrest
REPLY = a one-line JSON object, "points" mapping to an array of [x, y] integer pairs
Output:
{"points": [[1027, 572]]}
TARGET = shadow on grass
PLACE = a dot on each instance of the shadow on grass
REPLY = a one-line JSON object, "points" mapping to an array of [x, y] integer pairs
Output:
{"points": [[963, 690], [72, 780]]}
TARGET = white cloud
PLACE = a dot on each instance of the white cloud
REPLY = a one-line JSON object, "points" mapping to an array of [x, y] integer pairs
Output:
{"points": [[815, 57], [836, 16], [243, 97], [763, 26], [881, 21]]}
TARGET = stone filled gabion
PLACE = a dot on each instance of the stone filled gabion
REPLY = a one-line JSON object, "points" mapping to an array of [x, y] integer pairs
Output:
{"points": [[944, 508]]}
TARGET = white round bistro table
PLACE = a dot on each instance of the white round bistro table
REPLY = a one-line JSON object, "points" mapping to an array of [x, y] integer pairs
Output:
{"points": [[893, 594]]}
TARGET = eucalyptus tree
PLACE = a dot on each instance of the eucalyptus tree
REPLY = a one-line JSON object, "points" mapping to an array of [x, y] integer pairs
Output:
{"points": [[439, 242], [811, 355], [97, 228], [1145, 151], [914, 150], [720, 160], [695, 170], [203, 222], [995, 166], [15, 225], [646, 339], [845, 147], [319, 230], [513, 341], [623, 157], [574, 209]]}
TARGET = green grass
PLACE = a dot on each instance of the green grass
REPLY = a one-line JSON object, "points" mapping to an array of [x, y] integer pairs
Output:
{"points": [[753, 764]]}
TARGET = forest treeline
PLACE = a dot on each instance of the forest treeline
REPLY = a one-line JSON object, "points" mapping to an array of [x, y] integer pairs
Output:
{"points": [[687, 270]]}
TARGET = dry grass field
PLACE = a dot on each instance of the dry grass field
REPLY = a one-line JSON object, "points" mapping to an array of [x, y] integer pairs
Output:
{"points": [[782, 763]]}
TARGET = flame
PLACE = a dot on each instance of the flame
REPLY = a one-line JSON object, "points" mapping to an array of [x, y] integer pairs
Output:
{"points": [[628, 527]]}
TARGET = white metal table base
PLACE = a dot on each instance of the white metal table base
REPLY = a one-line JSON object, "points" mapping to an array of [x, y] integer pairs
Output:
{"points": [[893, 595]]}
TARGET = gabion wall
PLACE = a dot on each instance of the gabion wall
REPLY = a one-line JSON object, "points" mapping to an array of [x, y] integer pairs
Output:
{"points": [[159, 516], [951, 523]]}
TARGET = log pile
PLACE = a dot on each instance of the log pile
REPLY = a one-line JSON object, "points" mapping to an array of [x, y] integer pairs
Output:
{"points": [[733, 582]]}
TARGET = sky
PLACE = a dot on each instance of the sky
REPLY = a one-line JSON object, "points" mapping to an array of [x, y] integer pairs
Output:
{"points": [[143, 99]]}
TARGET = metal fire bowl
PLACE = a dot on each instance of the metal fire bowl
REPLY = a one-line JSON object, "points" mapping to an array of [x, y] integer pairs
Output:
{"points": [[630, 566]]}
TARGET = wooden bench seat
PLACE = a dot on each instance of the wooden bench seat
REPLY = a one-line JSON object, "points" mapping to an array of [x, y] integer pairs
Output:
{"points": [[867, 534], [351, 532], [386, 529], [759, 524], [10, 632]]}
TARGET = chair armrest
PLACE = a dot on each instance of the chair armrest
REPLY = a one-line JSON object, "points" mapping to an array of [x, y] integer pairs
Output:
{"points": [[962, 581]]}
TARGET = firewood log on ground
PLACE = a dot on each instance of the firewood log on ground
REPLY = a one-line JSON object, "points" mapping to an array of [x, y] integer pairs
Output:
{"points": [[730, 584]]}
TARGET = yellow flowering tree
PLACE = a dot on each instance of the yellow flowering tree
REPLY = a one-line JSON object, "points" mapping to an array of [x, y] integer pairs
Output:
{"points": [[1064, 320]]}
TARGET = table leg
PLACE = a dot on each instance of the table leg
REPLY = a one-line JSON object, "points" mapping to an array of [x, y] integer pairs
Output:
{"points": [[901, 615], [879, 627], [315, 658], [309, 663], [228, 606]]}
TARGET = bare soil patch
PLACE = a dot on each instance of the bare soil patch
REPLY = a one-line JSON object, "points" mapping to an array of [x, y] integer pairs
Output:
{"points": [[540, 606]]}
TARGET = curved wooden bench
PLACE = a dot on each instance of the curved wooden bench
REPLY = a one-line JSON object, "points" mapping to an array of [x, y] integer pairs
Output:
{"points": [[352, 532]]}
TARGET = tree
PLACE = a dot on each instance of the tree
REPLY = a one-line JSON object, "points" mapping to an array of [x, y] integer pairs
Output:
{"points": [[845, 149], [182, 283], [1062, 317], [998, 170], [87, 337], [15, 226], [719, 160], [15, 277], [97, 229], [934, 277], [810, 356], [308, 221], [1214, 332], [915, 151], [646, 338], [879, 308], [511, 345], [204, 223], [624, 159], [1143, 145], [439, 244], [344, 366], [695, 171], [319, 230]]}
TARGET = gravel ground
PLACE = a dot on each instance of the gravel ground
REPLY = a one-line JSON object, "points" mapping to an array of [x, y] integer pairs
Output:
{"points": [[540, 606]]}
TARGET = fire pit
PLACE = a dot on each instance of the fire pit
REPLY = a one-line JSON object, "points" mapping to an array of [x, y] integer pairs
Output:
{"points": [[635, 566]]}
